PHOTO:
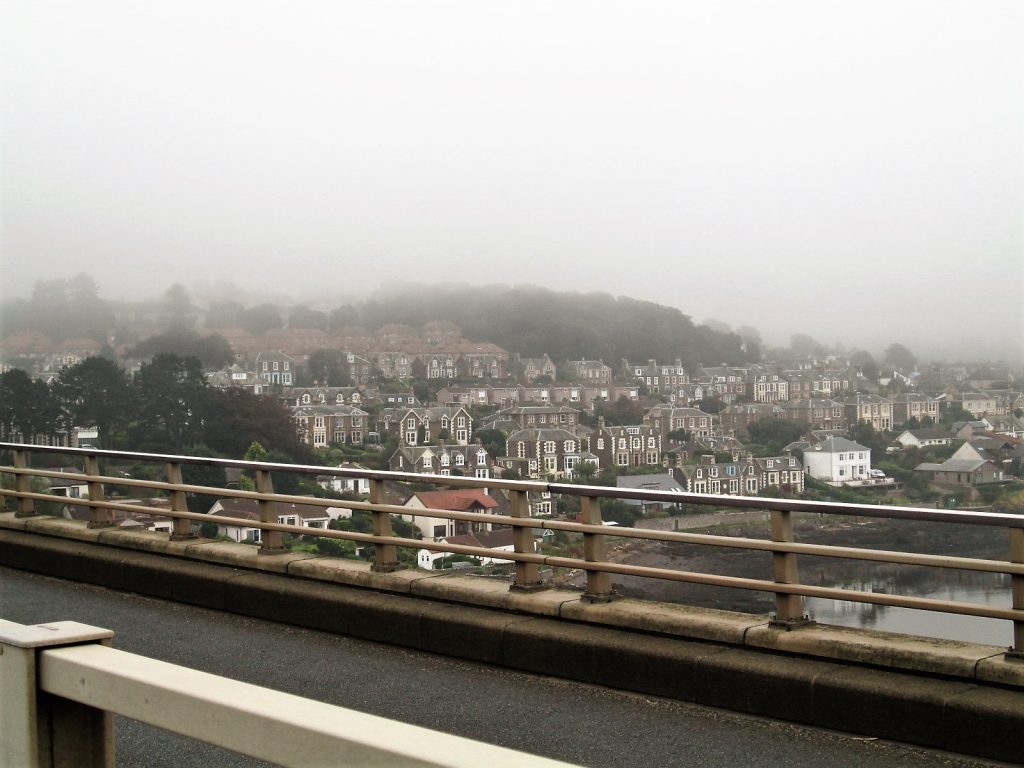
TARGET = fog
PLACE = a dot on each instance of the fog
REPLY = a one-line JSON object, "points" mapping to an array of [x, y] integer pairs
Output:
{"points": [[849, 170]]}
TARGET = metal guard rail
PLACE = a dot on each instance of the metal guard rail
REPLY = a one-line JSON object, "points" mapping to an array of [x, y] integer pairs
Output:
{"points": [[785, 584], [62, 681]]}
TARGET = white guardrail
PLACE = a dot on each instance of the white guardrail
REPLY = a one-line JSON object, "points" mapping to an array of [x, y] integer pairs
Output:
{"points": [[61, 683]]}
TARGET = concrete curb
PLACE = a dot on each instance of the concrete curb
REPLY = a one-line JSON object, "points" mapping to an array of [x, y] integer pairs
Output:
{"points": [[727, 661]]}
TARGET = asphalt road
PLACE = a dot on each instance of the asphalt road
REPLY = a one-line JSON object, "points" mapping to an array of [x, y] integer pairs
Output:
{"points": [[568, 721]]}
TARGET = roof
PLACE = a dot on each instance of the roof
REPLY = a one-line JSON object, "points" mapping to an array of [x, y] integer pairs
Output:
{"points": [[248, 509], [460, 500], [841, 444]]}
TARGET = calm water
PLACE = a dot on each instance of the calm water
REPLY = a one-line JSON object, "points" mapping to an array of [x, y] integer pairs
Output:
{"points": [[983, 588]]}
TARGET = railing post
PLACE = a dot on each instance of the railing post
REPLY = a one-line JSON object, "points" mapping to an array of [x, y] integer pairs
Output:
{"points": [[527, 574], [385, 556], [98, 516], [1017, 586], [38, 730], [271, 542], [23, 484], [182, 528], [595, 550], [789, 609]]}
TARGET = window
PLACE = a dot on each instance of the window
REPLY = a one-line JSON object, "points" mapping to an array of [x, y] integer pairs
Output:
{"points": [[570, 446], [521, 449], [550, 463], [549, 446], [460, 460]]}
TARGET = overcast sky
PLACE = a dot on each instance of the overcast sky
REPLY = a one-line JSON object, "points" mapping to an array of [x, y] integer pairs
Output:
{"points": [[851, 170]]}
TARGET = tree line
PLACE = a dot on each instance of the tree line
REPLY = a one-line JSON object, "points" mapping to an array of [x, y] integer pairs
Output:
{"points": [[167, 406]]}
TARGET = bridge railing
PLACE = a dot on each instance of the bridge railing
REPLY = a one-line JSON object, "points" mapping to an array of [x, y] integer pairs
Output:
{"points": [[784, 582], [61, 683]]}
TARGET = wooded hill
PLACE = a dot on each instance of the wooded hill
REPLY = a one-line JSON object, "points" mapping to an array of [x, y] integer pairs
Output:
{"points": [[567, 326]]}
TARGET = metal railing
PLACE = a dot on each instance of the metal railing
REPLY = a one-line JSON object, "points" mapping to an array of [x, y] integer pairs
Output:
{"points": [[784, 583], [61, 683]]}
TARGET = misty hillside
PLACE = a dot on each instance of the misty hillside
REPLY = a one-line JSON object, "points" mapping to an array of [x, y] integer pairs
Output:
{"points": [[566, 326], [526, 319]]}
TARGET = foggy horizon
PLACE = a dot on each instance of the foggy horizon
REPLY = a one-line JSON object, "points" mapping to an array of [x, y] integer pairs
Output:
{"points": [[850, 171]]}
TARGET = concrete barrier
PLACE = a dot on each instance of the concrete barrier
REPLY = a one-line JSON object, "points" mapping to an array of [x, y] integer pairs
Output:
{"points": [[956, 696]]}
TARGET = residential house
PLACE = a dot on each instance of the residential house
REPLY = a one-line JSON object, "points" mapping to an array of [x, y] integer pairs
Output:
{"points": [[870, 409], [531, 416], [482, 361], [305, 515], [435, 365], [736, 418], [817, 412], [343, 484], [978, 403], [275, 368], [915, 405], [668, 418], [661, 482], [722, 382], [360, 369], [530, 369], [968, 466], [656, 378], [539, 453], [589, 371], [738, 478], [320, 425], [767, 385], [457, 460], [423, 426], [637, 445], [498, 541], [474, 500], [838, 461], [924, 438]]}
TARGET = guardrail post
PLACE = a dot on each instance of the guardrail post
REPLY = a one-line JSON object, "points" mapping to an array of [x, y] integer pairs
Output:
{"points": [[789, 609], [527, 574], [98, 516], [23, 484], [1017, 586], [385, 556], [271, 542], [38, 730], [182, 528], [595, 550]]}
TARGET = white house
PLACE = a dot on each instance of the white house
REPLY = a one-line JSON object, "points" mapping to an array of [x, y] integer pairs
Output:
{"points": [[922, 438], [838, 461], [306, 515], [360, 485], [498, 541]]}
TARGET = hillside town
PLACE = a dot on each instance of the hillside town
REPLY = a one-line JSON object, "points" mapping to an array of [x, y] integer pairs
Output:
{"points": [[431, 401]]}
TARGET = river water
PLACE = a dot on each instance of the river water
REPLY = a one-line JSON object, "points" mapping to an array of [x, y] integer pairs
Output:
{"points": [[913, 581], [983, 588]]}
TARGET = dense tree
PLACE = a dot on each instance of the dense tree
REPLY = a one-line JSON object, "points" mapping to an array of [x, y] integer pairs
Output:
{"points": [[325, 367], [170, 393], [27, 407], [866, 363], [304, 317], [212, 351], [179, 315], [804, 346], [95, 392], [261, 318], [862, 432], [234, 418], [225, 314], [620, 413], [899, 357], [493, 440], [775, 434]]}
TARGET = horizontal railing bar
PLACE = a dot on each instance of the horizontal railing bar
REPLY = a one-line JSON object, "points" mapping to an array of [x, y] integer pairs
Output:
{"points": [[668, 497], [762, 545], [259, 722]]}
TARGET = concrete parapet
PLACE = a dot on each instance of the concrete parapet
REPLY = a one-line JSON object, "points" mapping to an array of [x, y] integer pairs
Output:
{"points": [[955, 696]]}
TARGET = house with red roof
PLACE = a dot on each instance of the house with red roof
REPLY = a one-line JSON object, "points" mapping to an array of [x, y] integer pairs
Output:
{"points": [[461, 500]]}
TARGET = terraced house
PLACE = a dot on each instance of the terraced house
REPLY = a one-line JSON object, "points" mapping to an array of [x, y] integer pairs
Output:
{"points": [[321, 425]]}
